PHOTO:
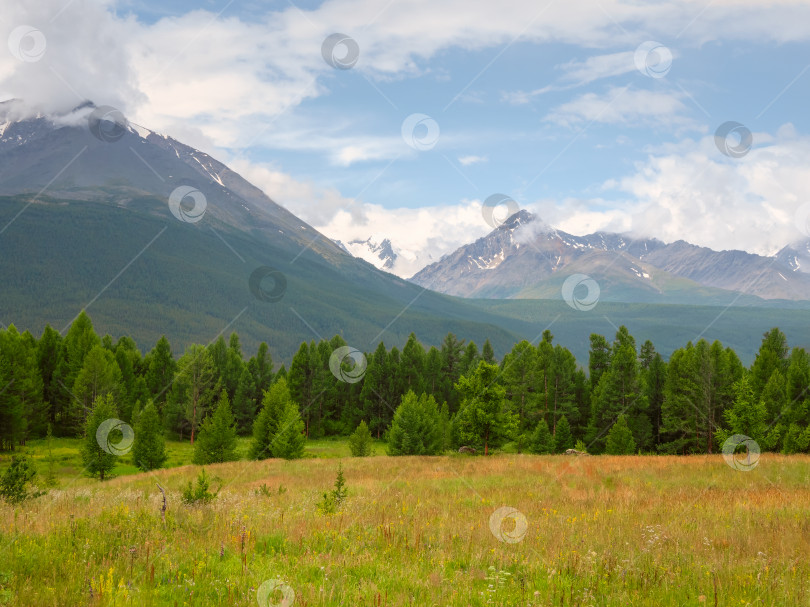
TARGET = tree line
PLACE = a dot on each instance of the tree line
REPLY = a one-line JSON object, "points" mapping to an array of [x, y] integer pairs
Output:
{"points": [[422, 400]]}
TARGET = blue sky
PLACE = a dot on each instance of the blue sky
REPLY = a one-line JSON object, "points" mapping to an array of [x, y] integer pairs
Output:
{"points": [[542, 102]]}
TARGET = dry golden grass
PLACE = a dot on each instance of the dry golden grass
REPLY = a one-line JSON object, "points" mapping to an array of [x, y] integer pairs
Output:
{"points": [[416, 530]]}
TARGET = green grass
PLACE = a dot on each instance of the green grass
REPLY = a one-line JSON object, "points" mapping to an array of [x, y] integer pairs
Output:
{"points": [[67, 458], [607, 531]]}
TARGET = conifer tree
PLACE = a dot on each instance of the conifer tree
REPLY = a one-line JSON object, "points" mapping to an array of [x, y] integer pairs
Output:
{"points": [[360, 441], [216, 441], [149, 448], [620, 439], [98, 456]]}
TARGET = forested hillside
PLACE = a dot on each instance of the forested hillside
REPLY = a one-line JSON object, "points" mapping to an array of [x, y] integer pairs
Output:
{"points": [[539, 396]]}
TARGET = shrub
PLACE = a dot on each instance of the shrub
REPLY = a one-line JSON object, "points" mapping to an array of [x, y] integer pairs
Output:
{"points": [[200, 493], [14, 482], [332, 500]]}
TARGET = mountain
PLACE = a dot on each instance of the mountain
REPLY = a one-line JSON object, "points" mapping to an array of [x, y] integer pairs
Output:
{"points": [[524, 258], [379, 254], [86, 223], [385, 255]]}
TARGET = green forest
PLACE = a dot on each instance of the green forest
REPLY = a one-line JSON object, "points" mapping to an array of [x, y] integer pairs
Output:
{"points": [[538, 398]]}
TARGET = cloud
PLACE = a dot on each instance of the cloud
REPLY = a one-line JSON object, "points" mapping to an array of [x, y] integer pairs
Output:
{"points": [[578, 73], [468, 160], [84, 57], [624, 106], [690, 191]]}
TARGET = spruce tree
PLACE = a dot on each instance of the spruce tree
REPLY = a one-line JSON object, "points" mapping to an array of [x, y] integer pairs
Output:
{"points": [[149, 448], [563, 439], [216, 441], [620, 439], [288, 442], [360, 441], [416, 427], [266, 424], [482, 420], [99, 461], [542, 442]]}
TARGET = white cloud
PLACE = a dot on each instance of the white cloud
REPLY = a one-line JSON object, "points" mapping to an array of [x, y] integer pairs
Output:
{"points": [[624, 106], [579, 73], [690, 191], [468, 160]]}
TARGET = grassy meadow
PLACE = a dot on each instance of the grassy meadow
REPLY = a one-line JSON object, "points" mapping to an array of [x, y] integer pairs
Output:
{"points": [[633, 530]]}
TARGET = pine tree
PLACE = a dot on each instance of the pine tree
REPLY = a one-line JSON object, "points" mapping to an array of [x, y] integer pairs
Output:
{"points": [[193, 391], [21, 405], [217, 439], [80, 339], [149, 448], [541, 441], [620, 439], [360, 441], [519, 379], [97, 460], [563, 439], [416, 427]]}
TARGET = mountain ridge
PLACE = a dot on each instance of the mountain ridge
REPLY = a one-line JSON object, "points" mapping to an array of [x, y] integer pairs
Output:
{"points": [[523, 257]]}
